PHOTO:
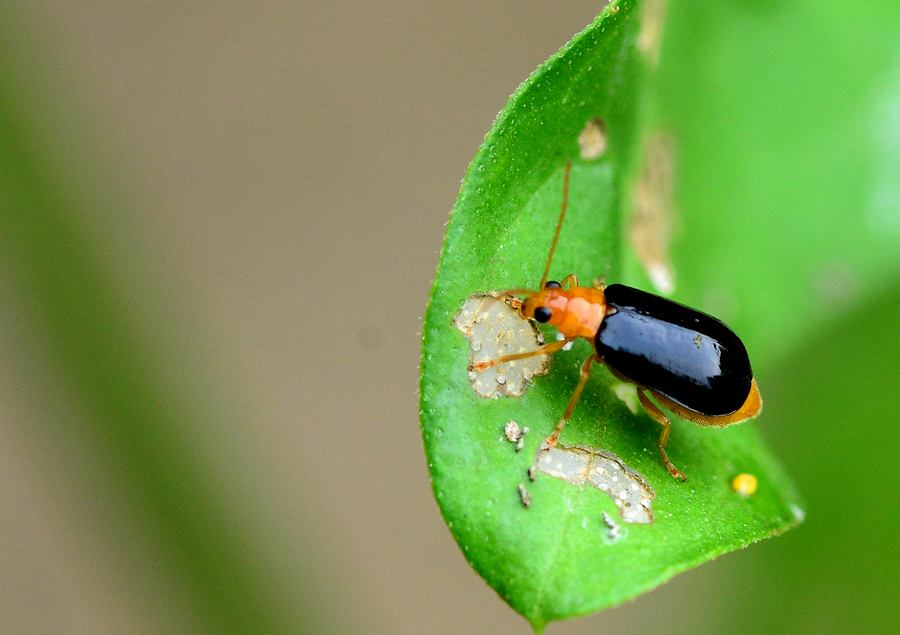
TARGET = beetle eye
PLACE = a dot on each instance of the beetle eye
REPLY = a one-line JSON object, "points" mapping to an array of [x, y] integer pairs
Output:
{"points": [[542, 314], [553, 284]]}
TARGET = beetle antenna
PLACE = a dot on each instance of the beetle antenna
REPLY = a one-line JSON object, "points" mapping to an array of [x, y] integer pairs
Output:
{"points": [[559, 224]]}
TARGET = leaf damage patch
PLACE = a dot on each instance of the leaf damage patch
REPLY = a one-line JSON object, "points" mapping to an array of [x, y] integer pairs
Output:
{"points": [[593, 140], [577, 464], [653, 221], [494, 329]]}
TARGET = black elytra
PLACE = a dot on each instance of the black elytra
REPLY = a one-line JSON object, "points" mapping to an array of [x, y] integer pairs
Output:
{"points": [[688, 356]]}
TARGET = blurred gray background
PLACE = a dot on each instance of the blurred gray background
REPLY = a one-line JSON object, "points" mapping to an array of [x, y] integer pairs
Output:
{"points": [[284, 172]]}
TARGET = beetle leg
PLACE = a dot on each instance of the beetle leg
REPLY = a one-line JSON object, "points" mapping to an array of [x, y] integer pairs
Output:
{"points": [[569, 281], [546, 349], [657, 414], [585, 373]]}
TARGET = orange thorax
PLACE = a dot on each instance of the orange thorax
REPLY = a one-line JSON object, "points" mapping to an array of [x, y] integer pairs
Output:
{"points": [[576, 312]]}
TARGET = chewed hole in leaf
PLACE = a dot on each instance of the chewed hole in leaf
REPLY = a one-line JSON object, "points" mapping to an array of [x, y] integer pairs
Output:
{"points": [[495, 329], [577, 464], [650, 35], [593, 140]]}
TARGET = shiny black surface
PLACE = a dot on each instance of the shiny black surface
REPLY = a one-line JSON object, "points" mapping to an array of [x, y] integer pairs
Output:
{"points": [[683, 354]]}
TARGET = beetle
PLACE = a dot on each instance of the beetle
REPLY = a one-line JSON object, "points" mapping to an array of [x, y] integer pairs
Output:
{"points": [[691, 363]]}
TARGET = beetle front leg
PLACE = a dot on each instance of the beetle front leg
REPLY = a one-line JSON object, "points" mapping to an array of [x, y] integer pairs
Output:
{"points": [[585, 373], [546, 349]]}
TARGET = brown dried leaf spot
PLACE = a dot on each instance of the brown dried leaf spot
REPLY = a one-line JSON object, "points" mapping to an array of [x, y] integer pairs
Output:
{"points": [[593, 140], [652, 224]]}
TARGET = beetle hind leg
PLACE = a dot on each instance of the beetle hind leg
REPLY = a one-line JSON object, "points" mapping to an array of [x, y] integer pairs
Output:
{"points": [[663, 420]]}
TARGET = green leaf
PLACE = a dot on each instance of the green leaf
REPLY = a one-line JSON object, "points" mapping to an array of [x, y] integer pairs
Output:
{"points": [[559, 557]]}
